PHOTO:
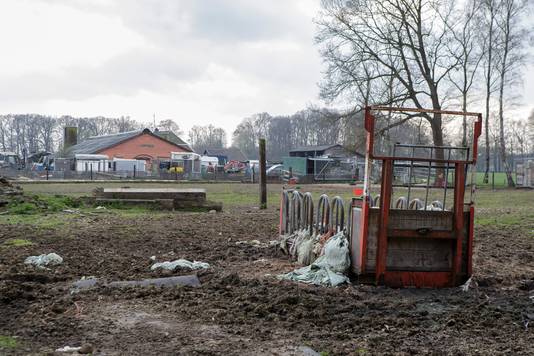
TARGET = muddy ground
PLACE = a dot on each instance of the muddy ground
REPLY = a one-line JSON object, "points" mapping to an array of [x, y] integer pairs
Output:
{"points": [[241, 308]]}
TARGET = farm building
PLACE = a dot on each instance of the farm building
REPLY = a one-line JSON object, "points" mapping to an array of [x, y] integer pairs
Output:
{"points": [[331, 151], [327, 162], [226, 155], [142, 145]]}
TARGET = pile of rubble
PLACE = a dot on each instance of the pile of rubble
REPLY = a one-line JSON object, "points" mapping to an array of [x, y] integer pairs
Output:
{"points": [[8, 191]]}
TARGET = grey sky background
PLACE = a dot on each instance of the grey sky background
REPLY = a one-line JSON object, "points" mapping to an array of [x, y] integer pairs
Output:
{"points": [[197, 62]]}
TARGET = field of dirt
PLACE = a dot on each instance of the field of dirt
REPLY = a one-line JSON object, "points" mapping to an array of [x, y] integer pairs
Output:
{"points": [[241, 308]]}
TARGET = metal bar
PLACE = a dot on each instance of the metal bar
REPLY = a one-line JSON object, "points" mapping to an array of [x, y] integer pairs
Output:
{"points": [[458, 221], [430, 111], [364, 231], [405, 233], [410, 145], [410, 176], [466, 170], [470, 241], [422, 159], [382, 238], [446, 183], [428, 178], [425, 166], [415, 186]]}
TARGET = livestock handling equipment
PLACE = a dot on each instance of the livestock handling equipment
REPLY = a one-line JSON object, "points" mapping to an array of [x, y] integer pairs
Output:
{"points": [[418, 229]]}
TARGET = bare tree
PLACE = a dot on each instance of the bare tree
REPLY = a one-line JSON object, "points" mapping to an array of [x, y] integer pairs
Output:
{"points": [[203, 137], [489, 10], [170, 125], [468, 53], [403, 40], [512, 38]]}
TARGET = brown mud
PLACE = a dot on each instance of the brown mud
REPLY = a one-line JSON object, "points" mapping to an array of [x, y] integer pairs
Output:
{"points": [[241, 308]]}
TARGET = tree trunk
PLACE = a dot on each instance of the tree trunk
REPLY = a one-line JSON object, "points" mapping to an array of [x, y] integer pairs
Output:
{"points": [[502, 142], [488, 91]]}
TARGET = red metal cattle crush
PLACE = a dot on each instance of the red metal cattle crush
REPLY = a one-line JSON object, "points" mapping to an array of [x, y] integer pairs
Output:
{"points": [[427, 247], [418, 231]]}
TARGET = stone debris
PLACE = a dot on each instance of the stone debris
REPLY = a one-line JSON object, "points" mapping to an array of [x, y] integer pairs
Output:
{"points": [[181, 263], [45, 260], [68, 349], [257, 243]]}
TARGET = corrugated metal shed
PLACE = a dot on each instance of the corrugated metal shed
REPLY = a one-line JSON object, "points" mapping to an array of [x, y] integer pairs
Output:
{"points": [[98, 143], [231, 154], [313, 148]]}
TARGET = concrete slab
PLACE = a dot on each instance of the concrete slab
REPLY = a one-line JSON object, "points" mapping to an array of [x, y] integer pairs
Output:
{"points": [[186, 194]]}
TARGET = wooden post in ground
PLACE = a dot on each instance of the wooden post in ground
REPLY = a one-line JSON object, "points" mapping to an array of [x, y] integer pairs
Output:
{"points": [[263, 176]]}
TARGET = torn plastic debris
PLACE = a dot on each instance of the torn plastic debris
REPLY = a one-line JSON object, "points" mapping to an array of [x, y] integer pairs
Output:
{"points": [[258, 243], [41, 261], [69, 349], [328, 269], [189, 280], [171, 266]]}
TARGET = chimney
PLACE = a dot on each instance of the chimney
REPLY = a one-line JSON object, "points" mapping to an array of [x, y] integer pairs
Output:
{"points": [[70, 137]]}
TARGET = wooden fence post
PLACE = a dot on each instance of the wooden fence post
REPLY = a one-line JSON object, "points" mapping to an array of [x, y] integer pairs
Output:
{"points": [[263, 176]]}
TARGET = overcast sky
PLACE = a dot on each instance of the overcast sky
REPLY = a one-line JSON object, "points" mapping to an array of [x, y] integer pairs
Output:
{"points": [[197, 62]]}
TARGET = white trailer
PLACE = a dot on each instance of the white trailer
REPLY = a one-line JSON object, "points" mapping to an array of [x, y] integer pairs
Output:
{"points": [[189, 161], [525, 174], [91, 162], [128, 165]]}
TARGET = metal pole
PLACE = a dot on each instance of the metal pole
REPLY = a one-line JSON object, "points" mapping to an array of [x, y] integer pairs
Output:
{"points": [[135, 169], [263, 176], [91, 171], [428, 178]]}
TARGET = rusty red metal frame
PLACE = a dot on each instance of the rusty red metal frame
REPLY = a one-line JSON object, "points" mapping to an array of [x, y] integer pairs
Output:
{"points": [[370, 125], [422, 278]]}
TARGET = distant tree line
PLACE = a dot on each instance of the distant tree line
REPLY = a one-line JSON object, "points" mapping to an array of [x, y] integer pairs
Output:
{"points": [[33, 133], [315, 127], [429, 54]]}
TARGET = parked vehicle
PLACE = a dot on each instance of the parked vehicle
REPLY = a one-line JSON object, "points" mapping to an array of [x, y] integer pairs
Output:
{"points": [[9, 160], [235, 167], [275, 171]]}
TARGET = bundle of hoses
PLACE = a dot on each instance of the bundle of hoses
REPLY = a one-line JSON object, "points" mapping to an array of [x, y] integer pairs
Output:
{"points": [[302, 236], [319, 244]]}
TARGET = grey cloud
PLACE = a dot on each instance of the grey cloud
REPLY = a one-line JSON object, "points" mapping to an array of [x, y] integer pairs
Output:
{"points": [[211, 20], [127, 74], [182, 39]]}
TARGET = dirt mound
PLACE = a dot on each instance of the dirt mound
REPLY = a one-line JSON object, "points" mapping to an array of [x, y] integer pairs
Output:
{"points": [[8, 191]]}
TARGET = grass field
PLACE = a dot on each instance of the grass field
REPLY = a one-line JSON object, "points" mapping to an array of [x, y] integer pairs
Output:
{"points": [[496, 179], [499, 207]]}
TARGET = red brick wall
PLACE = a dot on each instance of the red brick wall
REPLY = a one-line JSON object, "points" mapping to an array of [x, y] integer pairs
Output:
{"points": [[143, 146]]}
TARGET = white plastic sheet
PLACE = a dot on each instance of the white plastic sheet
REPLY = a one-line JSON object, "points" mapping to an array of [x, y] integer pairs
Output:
{"points": [[51, 259], [329, 269], [172, 265]]}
